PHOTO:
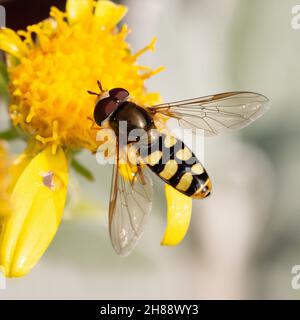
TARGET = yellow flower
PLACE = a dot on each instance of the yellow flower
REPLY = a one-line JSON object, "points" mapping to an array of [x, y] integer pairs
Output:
{"points": [[51, 66], [4, 182], [37, 199], [178, 218]]}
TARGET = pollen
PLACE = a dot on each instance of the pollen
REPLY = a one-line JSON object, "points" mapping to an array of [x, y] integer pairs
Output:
{"points": [[62, 58]]}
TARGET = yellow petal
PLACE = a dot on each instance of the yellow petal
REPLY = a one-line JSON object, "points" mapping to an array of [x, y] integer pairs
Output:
{"points": [[11, 43], [18, 166], [20, 163], [78, 10], [4, 182], [38, 199], [109, 14], [179, 216]]}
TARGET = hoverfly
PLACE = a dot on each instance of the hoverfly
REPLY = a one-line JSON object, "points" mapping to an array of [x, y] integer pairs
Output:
{"points": [[131, 199]]}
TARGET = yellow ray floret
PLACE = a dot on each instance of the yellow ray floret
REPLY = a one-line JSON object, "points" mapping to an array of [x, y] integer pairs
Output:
{"points": [[4, 183], [20, 163], [78, 10], [38, 199], [109, 14], [12, 44], [178, 218]]}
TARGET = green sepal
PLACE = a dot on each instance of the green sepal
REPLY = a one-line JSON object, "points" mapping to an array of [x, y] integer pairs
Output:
{"points": [[82, 170], [10, 134]]}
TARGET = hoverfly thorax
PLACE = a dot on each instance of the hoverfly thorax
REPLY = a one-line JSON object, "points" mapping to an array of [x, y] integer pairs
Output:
{"points": [[135, 117]]}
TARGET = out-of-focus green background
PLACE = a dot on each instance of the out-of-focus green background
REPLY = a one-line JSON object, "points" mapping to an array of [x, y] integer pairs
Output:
{"points": [[244, 240]]}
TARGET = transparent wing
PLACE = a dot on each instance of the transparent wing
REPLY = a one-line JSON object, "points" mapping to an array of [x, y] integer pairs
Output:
{"points": [[130, 204], [216, 114]]}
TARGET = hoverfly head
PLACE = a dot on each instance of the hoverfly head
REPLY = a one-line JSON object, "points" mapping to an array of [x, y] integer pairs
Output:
{"points": [[108, 102]]}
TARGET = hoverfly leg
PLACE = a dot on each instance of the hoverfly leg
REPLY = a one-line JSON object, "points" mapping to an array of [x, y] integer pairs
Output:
{"points": [[93, 126], [143, 181]]}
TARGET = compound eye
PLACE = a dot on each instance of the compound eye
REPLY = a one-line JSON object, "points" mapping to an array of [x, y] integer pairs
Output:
{"points": [[119, 94], [104, 108]]}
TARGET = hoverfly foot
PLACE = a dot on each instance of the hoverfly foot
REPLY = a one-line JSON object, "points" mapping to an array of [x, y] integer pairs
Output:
{"points": [[93, 125]]}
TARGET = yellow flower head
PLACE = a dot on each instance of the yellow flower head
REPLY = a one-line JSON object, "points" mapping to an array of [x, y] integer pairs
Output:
{"points": [[59, 60]]}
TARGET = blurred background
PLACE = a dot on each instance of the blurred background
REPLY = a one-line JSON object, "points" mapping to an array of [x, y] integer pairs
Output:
{"points": [[244, 240]]}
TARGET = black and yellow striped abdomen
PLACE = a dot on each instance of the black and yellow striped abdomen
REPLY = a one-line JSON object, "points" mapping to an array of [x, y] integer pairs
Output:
{"points": [[177, 165]]}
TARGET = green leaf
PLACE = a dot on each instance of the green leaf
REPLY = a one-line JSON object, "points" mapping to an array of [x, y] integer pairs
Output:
{"points": [[3, 72], [80, 169], [3, 92], [10, 134]]}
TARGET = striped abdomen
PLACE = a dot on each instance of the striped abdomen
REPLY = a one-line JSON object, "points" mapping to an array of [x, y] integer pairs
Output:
{"points": [[177, 165]]}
